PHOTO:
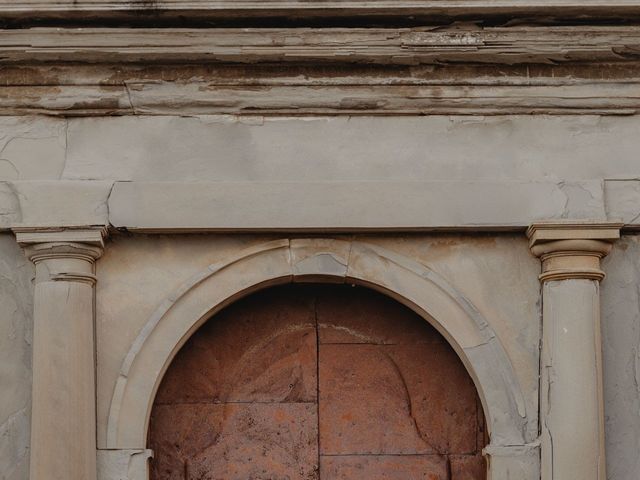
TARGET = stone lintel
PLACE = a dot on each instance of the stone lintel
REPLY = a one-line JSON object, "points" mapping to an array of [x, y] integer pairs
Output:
{"points": [[572, 249]]}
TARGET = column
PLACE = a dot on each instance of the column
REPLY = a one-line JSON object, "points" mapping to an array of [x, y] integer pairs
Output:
{"points": [[571, 395], [63, 422]]}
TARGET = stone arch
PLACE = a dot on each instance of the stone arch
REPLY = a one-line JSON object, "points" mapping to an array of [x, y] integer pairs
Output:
{"points": [[325, 260]]}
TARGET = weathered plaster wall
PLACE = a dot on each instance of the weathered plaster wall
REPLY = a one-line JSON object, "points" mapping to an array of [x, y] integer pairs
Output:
{"points": [[621, 345], [226, 148], [498, 274], [456, 170], [16, 305]]}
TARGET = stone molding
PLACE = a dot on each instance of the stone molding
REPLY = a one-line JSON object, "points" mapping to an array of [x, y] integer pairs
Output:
{"points": [[356, 46], [342, 71], [140, 97], [572, 250], [334, 8]]}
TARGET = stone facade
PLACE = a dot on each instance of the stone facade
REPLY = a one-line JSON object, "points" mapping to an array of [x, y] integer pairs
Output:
{"points": [[474, 163]]}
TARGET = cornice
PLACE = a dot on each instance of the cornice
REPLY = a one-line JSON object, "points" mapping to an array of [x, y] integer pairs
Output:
{"points": [[335, 8], [370, 46], [311, 71]]}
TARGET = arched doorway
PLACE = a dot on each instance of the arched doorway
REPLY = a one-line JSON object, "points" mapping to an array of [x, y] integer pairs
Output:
{"points": [[317, 382]]}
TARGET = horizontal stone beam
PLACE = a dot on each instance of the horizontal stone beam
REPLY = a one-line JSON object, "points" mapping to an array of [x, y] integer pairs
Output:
{"points": [[159, 207], [343, 206], [54, 204], [399, 46]]}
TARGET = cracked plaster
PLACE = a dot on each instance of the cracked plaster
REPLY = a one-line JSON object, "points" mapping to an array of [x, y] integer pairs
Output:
{"points": [[430, 148], [621, 358], [223, 148], [16, 293]]}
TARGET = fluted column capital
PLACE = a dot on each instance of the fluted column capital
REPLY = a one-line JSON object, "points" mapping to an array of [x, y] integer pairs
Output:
{"points": [[572, 249]]}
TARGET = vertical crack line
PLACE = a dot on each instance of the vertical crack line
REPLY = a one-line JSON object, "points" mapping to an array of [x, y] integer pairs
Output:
{"points": [[541, 347], [315, 316]]}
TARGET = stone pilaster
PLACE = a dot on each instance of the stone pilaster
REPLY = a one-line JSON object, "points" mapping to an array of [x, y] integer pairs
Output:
{"points": [[571, 395], [63, 423]]}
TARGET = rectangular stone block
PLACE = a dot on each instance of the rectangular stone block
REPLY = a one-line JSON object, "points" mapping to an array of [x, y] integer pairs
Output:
{"points": [[467, 467], [358, 315], [382, 467], [395, 400], [260, 350], [400, 205], [235, 442]]}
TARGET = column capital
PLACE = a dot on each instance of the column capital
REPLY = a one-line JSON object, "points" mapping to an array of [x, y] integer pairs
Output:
{"points": [[63, 254], [572, 249], [39, 244]]}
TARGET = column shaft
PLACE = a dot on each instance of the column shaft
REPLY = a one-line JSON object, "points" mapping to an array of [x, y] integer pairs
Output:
{"points": [[571, 385], [571, 395], [63, 421], [63, 429]]}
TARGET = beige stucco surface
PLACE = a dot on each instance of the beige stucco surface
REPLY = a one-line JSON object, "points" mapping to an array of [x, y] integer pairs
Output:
{"points": [[16, 322], [227, 148], [621, 348]]}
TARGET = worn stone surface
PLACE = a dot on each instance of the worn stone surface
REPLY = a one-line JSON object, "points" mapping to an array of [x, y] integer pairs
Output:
{"points": [[404, 46], [264, 351], [47, 203], [621, 357], [16, 324], [365, 408], [130, 464], [622, 200], [234, 441], [507, 178], [108, 9], [498, 275], [224, 148], [353, 317], [382, 408], [392, 467], [32, 148], [414, 399], [342, 206], [467, 467]]}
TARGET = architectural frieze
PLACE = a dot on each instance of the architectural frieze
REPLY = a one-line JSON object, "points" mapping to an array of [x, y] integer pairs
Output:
{"points": [[459, 69]]}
